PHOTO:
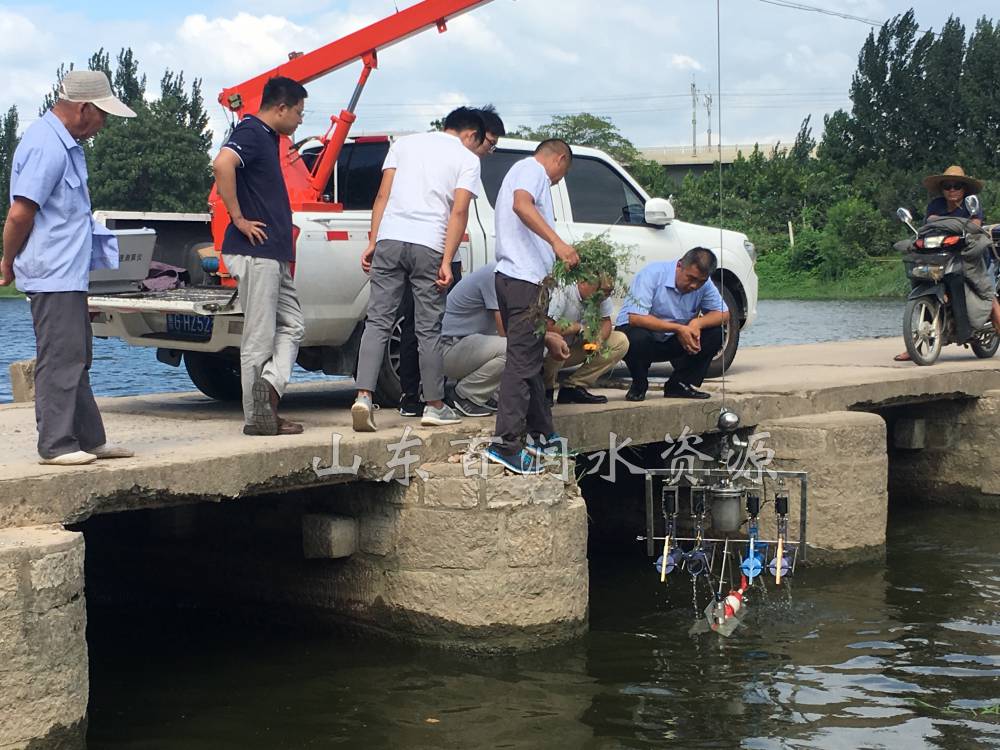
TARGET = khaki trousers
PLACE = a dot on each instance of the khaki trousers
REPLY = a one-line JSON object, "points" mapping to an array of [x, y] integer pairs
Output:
{"points": [[588, 372]]}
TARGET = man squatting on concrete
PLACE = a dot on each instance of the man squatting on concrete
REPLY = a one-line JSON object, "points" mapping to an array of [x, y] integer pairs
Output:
{"points": [[673, 313], [472, 339], [526, 248], [258, 251], [50, 245], [410, 403], [565, 317], [418, 219]]}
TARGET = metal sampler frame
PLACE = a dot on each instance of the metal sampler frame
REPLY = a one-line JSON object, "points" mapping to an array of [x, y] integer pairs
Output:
{"points": [[652, 474]]}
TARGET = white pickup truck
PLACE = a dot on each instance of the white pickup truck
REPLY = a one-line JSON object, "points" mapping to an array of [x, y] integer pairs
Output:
{"points": [[201, 324]]}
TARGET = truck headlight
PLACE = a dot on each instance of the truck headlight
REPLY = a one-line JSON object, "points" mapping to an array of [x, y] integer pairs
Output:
{"points": [[751, 250]]}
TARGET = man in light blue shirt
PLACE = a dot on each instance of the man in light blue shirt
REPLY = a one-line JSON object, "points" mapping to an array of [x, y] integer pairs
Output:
{"points": [[673, 313], [50, 244]]}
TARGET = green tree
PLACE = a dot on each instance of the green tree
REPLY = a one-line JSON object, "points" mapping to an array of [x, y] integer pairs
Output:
{"points": [[584, 129], [8, 143], [157, 161]]}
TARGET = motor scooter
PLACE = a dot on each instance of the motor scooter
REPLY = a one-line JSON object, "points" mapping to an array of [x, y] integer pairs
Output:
{"points": [[952, 265]]}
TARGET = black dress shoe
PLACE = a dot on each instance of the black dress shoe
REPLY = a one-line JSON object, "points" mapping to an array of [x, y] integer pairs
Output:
{"points": [[569, 394], [683, 390], [635, 394], [549, 396]]}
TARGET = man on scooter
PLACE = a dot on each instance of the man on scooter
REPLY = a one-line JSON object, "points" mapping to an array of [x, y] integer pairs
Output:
{"points": [[949, 190]]}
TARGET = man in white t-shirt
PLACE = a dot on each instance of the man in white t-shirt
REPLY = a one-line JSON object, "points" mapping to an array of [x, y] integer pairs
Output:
{"points": [[566, 317], [418, 219], [526, 247]]}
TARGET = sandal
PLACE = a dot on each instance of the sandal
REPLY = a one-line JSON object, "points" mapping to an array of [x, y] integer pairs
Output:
{"points": [[902, 357]]}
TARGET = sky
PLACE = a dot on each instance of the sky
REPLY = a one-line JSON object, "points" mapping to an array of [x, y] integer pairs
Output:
{"points": [[631, 60]]}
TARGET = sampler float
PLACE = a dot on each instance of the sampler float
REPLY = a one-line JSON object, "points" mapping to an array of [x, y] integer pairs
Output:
{"points": [[724, 501]]}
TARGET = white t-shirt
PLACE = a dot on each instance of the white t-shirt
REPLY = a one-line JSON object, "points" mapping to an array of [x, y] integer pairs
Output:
{"points": [[522, 254], [567, 304], [429, 168]]}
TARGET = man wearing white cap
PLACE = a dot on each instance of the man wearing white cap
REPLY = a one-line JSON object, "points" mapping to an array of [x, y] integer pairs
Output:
{"points": [[50, 245]]}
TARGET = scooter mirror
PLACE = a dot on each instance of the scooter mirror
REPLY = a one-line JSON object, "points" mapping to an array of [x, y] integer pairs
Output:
{"points": [[972, 205], [905, 216]]}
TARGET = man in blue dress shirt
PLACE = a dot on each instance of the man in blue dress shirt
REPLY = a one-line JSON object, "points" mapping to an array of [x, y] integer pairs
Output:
{"points": [[673, 313], [50, 245]]}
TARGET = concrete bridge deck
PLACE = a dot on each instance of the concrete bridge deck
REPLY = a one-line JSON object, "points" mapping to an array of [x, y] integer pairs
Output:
{"points": [[190, 448]]}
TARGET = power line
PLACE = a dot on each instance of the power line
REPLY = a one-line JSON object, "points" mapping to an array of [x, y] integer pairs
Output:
{"points": [[824, 11]]}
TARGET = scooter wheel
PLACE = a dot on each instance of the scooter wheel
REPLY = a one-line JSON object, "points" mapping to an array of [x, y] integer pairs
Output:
{"points": [[923, 328]]}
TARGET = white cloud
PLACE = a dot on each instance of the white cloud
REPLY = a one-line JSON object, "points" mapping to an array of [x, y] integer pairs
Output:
{"points": [[683, 62]]}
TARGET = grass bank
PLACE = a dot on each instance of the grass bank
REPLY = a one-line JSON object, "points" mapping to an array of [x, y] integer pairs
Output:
{"points": [[9, 291], [879, 277]]}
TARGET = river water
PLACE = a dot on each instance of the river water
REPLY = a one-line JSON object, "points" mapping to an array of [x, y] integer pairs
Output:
{"points": [[900, 654], [121, 370], [904, 654]]}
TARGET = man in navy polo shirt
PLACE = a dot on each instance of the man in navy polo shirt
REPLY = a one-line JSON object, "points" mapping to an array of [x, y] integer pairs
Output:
{"points": [[258, 251], [673, 313]]}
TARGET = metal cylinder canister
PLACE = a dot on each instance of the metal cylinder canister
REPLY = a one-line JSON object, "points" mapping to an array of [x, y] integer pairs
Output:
{"points": [[726, 505]]}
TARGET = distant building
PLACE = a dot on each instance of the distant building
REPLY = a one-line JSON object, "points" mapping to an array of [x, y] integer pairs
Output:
{"points": [[677, 161]]}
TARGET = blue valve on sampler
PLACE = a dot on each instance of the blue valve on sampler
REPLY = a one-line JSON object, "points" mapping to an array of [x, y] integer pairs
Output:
{"points": [[753, 564], [674, 558], [786, 566]]}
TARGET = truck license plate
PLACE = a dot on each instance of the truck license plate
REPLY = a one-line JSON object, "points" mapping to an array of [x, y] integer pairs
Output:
{"points": [[197, 326]]}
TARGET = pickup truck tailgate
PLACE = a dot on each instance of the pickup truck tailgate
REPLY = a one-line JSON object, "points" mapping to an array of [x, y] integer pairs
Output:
{"points": [[194, 300], [206, 319]]}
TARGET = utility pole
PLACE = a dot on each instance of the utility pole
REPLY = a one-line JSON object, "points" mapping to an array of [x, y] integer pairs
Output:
{"points": [[708, 109], [694, 119]]}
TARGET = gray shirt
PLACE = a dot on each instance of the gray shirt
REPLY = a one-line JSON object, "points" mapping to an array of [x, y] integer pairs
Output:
{"points": [[471, 304]]}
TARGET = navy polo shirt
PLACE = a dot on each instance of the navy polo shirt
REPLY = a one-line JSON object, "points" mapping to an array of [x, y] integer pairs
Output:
{"points": [[939, 207], [260, 189]]}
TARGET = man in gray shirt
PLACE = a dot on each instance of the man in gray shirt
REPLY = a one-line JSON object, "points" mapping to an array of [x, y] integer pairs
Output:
{"points": [[472, 338]]}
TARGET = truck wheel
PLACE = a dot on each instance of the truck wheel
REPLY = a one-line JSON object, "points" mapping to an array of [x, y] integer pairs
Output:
{"points": [[215, 375], [730, 338], [388, 389]]}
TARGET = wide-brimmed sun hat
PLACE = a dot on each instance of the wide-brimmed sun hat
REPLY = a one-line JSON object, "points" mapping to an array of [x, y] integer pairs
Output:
{"points": [[953, 173], [92, 86]]}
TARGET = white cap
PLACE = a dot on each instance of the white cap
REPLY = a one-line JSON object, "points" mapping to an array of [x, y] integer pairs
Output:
{"points": [[92, 86]]}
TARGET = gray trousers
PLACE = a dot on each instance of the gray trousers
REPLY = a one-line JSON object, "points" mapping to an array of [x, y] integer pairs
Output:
{"points": [[477, 363], [272, 323], [394, 266], [523, 409], [65, 411]]}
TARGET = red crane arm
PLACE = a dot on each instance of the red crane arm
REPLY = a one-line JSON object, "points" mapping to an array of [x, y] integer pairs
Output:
{"points": [[245, 97]]}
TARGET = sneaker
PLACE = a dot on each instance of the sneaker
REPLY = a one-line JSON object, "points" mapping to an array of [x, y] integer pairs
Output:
{"points": [[522, 463], [492, 405], [411, 407], [439, 416], [363, 414], [111, 450], [553, 445], [76, 458], [469, 408]]}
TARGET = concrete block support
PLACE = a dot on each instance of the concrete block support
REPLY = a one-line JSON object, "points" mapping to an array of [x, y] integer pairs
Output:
{"points": [[959, 461], [22, 380], [845, 456], [43, 647], [328, 536]]}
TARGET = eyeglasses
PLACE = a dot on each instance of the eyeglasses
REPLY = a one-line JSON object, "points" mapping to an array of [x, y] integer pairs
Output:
{"points": [[952, 186], [492, 144]]}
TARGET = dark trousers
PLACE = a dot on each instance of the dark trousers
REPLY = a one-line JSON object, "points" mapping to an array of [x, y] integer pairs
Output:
{"points": [[65, 411], [523, 409], [644, 349], [409, 358]]}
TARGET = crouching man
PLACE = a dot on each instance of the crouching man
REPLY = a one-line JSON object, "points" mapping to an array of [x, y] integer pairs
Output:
{"points": [[674, 313], [472, 339], [565, 317]]}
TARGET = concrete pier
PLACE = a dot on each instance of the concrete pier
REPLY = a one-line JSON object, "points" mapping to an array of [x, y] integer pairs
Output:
{"points": [[388, 532]]}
